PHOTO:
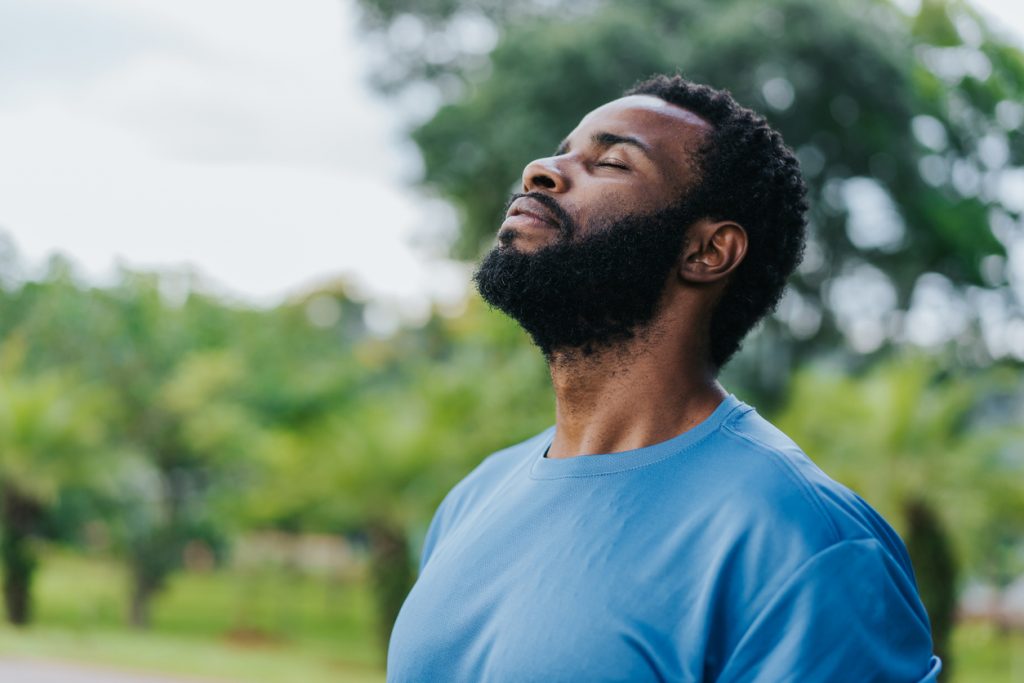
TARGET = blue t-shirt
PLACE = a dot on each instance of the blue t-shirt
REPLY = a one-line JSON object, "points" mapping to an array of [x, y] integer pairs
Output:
{"points": [[723, 554]]}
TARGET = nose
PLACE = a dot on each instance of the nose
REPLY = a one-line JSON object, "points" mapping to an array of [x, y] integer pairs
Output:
{"points": [[544, 174]]}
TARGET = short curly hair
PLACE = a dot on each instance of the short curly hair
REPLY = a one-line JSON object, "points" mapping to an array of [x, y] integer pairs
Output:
{"points": [[747, 175]]}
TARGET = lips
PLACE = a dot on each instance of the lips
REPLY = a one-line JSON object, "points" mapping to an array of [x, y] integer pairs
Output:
{"points": [[531, 208]]}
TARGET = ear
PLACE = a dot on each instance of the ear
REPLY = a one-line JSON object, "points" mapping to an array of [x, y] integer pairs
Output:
{"points": [[713, 249]]}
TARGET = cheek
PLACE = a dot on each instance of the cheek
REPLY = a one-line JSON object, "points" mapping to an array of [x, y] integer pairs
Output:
{"points": [[607, 208]]}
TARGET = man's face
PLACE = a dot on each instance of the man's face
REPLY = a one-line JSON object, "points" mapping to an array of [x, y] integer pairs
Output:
{"points": [[584, 253], [630, 156]]}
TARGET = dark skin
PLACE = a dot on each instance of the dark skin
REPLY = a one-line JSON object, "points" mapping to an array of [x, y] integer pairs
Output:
{"points": [[633, 155]]}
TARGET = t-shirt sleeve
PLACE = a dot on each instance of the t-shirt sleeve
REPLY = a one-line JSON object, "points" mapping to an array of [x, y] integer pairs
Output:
{"points": [[850, 613]]}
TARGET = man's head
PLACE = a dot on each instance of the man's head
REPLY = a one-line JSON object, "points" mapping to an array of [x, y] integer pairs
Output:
{"points": [[673, 185]]}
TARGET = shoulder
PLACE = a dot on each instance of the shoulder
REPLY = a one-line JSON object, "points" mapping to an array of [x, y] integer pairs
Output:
{"points": [[778, 483], [477, 486], [794, 537], [492, 470]]}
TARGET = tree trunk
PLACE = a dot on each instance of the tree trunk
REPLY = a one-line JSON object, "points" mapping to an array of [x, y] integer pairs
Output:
{"points": [[391, 567], [143, 591], [154, 556], [936, 572], [20, 516], [156, 552]]}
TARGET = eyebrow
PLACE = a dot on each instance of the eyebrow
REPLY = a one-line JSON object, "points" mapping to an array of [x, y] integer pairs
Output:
{"points": [[605, 140]]}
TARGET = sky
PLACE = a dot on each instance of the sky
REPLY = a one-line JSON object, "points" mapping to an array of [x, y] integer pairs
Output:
{"points": [[236, 138]]}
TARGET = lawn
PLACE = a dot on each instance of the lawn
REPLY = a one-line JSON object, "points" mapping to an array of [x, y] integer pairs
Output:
{"points": [[986, 656], [276, 627], [265, 627]]}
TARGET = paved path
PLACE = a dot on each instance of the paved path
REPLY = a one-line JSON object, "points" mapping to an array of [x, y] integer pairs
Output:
{"points": [[35, 671]]}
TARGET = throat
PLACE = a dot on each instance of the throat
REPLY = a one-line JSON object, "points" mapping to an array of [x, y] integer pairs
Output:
{"points": [[627, 397]]}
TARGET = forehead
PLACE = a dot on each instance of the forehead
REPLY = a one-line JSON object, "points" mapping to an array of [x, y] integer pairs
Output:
{"points": [[671, 132]]}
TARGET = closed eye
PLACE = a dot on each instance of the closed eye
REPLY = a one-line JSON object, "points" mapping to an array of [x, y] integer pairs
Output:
{"points": [[612, 163]]}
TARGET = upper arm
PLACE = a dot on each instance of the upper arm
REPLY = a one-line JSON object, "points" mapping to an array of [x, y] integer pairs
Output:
{"points": [[850, 613]]}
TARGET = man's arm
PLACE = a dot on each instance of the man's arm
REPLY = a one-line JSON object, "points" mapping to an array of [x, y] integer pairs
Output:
{"points": [[850, 613]]}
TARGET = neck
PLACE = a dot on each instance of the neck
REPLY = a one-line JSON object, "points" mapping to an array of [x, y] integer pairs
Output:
{"points": [[643, 392]]}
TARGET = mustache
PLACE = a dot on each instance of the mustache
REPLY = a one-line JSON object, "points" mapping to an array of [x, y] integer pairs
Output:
{"points": [[566, 225]]}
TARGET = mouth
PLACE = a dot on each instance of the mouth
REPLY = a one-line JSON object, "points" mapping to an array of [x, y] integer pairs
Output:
{"points": [[526, 210]]}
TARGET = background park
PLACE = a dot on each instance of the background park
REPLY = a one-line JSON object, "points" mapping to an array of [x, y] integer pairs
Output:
{"points": [[219, 455]]}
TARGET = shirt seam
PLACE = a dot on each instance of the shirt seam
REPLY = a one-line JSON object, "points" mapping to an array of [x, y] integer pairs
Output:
{"points": [[804, 486]]}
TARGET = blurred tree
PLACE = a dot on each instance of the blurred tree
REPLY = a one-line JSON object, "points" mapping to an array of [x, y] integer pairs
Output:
{"points": [[51, 437], [921, 446], [906, 128], [418, 420], [133, 340], [203, 437], [196, 384]]}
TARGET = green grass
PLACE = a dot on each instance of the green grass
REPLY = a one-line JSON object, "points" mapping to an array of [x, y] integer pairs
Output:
{"points": [[278, 627], [187, 656], [264, 627], [983, 655]]}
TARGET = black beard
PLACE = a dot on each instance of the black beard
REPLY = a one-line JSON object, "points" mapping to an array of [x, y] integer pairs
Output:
{"points": [[592, 293]]}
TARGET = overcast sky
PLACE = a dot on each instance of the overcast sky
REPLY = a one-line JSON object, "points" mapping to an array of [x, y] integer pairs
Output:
{"points": [[237, 136]]}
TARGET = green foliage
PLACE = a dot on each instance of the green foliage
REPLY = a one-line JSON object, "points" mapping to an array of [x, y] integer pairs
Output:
{"points": [[191, 386], [51, 437], [51, 428], [906, 431], [903, 125], [432, 403], [222, 418]]}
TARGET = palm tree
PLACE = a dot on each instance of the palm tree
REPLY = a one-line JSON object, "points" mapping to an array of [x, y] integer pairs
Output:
{"points": [[51, 430]]}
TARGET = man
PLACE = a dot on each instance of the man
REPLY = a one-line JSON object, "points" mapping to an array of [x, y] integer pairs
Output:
{"points": [[661, 530]]}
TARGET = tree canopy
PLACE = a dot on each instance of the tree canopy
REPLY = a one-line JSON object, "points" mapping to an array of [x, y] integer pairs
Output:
{"points": [[907, 129]]}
